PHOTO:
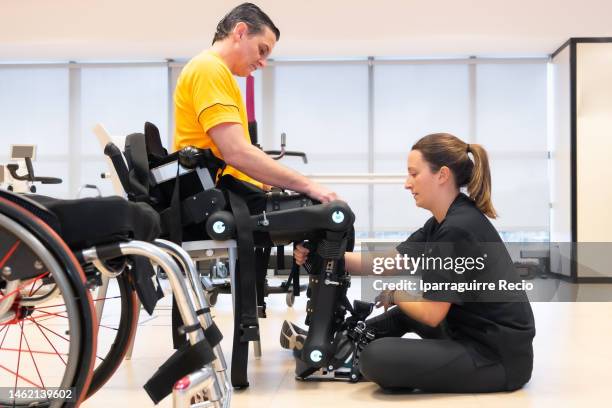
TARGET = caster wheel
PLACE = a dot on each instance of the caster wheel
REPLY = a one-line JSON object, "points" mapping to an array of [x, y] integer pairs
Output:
{"points": [[290, 298]]}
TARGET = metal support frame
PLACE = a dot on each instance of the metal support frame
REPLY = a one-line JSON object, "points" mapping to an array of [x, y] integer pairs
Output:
{"points": [[209, 249], [213, 384]]}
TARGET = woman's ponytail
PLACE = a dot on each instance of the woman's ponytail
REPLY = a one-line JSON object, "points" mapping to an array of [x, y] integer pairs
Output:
{"points": [[443, 149], [479, 186]]}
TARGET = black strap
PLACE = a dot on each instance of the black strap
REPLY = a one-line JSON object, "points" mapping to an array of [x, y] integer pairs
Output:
{"points": [[262, 256], [246, 259], [178, 339], [246, 327], [184, 361], [173, 220], [202, 311], [138, 162], [144, 277], [188, 329], [213, 335]]}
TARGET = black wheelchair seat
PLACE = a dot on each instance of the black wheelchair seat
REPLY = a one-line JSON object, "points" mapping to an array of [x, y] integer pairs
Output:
{"points": [[93, 221]]}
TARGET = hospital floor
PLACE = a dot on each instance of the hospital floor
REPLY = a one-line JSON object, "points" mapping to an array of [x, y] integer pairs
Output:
{"points": [[572, 368]]}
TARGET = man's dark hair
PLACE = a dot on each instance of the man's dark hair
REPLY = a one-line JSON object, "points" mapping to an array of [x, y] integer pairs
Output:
{"points": [[249, 14]]}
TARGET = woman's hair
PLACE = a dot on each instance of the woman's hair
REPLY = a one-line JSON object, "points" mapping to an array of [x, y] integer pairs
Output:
{"points": [[249, 14], [443, 149]]}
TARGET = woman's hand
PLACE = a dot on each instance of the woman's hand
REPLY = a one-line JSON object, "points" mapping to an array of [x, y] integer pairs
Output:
{"points": [[385, 299], [300, 254]]}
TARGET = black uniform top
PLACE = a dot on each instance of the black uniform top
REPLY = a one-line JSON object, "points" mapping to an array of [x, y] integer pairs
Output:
{"points": [[492, 330]]}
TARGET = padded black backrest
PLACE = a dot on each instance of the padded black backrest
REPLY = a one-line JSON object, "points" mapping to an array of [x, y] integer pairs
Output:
{"points": [[138, 167], [155, 149]]}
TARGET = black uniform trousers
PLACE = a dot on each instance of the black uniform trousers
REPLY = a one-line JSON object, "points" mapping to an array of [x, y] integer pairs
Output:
{"points": [[434, 363]]}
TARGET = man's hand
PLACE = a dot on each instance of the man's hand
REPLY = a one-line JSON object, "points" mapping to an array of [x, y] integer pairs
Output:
{"points": [[300, 254], [240, 154], [320, 193], [385, 299]]}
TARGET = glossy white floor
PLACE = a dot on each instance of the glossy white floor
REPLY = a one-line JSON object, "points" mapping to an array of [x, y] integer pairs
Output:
{"points": [[573, 360]]}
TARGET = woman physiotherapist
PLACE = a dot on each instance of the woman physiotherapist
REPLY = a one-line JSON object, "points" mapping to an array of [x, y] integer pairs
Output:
{"points": [[470, 342]]}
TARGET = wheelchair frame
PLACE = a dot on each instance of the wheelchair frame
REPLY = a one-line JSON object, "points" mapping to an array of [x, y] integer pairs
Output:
{"points": [[210, 381]]}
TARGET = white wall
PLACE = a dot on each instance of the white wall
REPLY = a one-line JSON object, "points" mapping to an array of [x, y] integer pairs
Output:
{"points": [[156, 29], [594, 150], [594, 141]]}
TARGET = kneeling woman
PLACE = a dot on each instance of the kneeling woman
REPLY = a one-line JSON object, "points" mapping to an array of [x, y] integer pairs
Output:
{"points": [[466, 345]]}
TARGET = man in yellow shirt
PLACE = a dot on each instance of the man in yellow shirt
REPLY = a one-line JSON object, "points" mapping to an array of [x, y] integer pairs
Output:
{"points": [[210, 111]]}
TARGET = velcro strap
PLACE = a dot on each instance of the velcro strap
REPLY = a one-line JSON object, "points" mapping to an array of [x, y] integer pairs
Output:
{"points": [[213, 335], [184, 361], [188, 329], [249, 333], [202, 311]]}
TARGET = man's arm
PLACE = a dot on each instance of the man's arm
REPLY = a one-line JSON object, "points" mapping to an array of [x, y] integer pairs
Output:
{"points": [[238, 153]]}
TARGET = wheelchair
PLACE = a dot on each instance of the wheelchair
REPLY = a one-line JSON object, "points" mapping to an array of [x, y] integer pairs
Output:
{"points": [[53, 254], [198, 208]]}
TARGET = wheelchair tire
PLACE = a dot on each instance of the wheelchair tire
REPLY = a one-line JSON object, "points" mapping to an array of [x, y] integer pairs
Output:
{"points": [[123, 334], [76, 328]]}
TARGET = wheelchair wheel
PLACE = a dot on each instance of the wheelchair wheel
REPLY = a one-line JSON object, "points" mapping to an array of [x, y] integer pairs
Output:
{"points": [[46, 314], [116, 327]]}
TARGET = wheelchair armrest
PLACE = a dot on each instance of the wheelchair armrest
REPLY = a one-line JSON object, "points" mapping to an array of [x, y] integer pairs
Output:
{"points": [[116, 157]]}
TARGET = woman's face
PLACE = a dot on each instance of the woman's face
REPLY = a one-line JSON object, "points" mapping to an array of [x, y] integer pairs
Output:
{"points": [[421, 181]]}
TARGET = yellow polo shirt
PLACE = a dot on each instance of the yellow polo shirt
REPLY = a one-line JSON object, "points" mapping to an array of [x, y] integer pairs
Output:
{"points": [[207, 95]]}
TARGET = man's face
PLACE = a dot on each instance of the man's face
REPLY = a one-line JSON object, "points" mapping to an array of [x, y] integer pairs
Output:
{"points": [[253, 50]]}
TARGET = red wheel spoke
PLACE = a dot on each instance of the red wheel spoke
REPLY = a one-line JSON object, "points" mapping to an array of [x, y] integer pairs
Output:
{"points": [[23, 378], [49, 341], [32, 288], [23, 285], [32, 355], [50, 306], [44, 318], [19, 358], [38, 288], [49, 330], [46, 314], [32, 351], [9, 254], [4, 338], [63, 304]]}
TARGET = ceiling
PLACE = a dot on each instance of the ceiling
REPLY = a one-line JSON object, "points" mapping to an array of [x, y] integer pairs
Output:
{"points": [[131, 30]]}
